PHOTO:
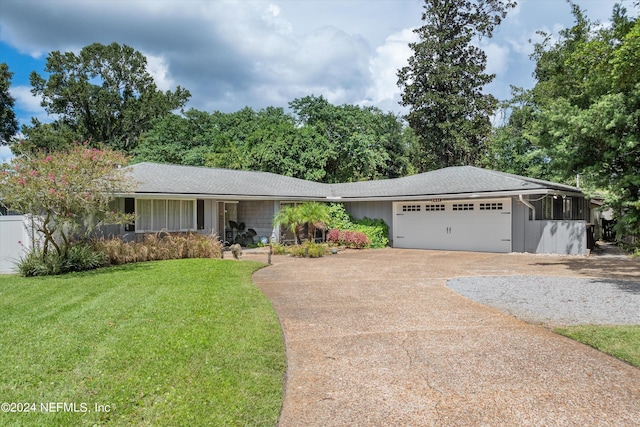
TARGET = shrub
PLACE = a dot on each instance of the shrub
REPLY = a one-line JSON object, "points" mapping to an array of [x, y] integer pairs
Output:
{"points": [[339, 218], [348, 238], [160, 246], [308, 250], [33, 265], [79, 257], [83, 257], [279, 249], [376, 230]]}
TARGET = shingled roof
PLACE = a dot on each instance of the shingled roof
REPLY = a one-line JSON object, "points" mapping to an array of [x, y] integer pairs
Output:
{"points": [[462, 181], [451, 181], [194, 180]]}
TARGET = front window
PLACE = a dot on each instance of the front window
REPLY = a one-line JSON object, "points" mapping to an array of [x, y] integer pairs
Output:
{"points": [[167, 215]]}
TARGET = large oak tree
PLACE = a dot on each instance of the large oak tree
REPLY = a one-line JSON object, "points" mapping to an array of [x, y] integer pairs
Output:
{"points": [[104, 94]]}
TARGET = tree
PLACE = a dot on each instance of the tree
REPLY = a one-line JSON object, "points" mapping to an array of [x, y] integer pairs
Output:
{"points": [[68, 193], [49, 137], [357, 143], [512, 149], [288, 216], [443, 82], [178, 139], [104, 94], [318, 142], [587, 108], [8, 122], [315, 215]]}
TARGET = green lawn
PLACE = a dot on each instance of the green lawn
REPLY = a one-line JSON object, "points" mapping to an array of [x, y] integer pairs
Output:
{"points": [[171, 343], [622, 342]]}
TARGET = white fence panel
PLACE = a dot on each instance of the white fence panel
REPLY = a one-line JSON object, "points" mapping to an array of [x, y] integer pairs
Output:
{"points": [[14, 241]]}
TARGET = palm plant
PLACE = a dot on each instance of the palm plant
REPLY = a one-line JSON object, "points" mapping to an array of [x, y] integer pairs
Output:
{"points": [[295, 217], [315, 215], [288, 217]]}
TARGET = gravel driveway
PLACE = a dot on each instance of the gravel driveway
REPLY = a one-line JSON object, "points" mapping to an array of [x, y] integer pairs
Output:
{"points": [[556, 300]]}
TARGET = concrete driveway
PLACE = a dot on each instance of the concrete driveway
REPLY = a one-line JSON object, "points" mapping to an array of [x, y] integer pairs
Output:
{"points": [[375, 338]]}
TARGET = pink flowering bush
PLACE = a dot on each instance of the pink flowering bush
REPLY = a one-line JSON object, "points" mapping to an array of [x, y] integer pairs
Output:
{"points": [[348, 238], [67, 192]]}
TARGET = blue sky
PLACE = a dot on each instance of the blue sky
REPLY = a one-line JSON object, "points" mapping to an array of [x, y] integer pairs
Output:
{"points": [[232, 54]]}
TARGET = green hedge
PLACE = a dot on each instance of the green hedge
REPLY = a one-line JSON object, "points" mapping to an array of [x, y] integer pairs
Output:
{"points": [[376, 229]]}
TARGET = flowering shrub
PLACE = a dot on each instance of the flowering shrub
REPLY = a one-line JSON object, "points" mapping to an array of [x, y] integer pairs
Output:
{"points": [[67, 192], [375, 229], [348, 238]]}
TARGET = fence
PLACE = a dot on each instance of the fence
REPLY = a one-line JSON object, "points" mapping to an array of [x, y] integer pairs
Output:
{"points": [[14, 241]]}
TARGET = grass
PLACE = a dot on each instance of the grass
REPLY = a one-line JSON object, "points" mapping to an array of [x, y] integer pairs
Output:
{"points": [[168, 343], [622, 342]]}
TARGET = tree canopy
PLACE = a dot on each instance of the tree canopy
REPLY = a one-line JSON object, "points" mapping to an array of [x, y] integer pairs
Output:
{"points": [[8, 122], [318, 141], [104, 94], [582, 118], [444, 80]]}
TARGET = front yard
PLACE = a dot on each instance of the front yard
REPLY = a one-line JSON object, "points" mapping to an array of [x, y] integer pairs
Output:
{"points": [[621, 341], [187, 342]]}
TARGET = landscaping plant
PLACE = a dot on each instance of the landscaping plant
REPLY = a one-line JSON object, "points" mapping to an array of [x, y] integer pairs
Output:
{"points": [[348, 238], [376, 230], [308, 250], [311, 214], [159, 246], [67, 194]]}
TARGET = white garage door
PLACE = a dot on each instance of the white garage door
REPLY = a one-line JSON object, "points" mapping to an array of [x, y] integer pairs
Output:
{"points": [[462, 225]]}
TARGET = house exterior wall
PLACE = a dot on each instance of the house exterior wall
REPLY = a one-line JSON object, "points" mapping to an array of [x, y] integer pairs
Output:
{"points": [[373, 210], [110, 231], [113, 230], [550, 236], [561, 236], [556, 237], [519, 218]]}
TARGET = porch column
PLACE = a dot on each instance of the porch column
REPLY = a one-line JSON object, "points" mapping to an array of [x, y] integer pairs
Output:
{"points": [[276, 229]]}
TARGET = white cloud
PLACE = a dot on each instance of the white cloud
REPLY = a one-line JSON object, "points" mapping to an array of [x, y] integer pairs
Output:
{"points": [[497, 57], [25, 100], [386, 62], [159, 69]]}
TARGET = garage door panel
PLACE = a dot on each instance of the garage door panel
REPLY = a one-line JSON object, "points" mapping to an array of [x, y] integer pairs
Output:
{"points": [[480, 225]]}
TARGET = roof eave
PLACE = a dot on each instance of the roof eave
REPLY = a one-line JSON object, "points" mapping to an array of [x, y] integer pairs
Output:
{"points": [[470, 195], [447, 196]]}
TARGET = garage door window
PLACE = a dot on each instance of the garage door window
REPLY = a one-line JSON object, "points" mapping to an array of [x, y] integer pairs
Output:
{"points": [[433, 208], [491, 206], [463, 206], [410, 208]]}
